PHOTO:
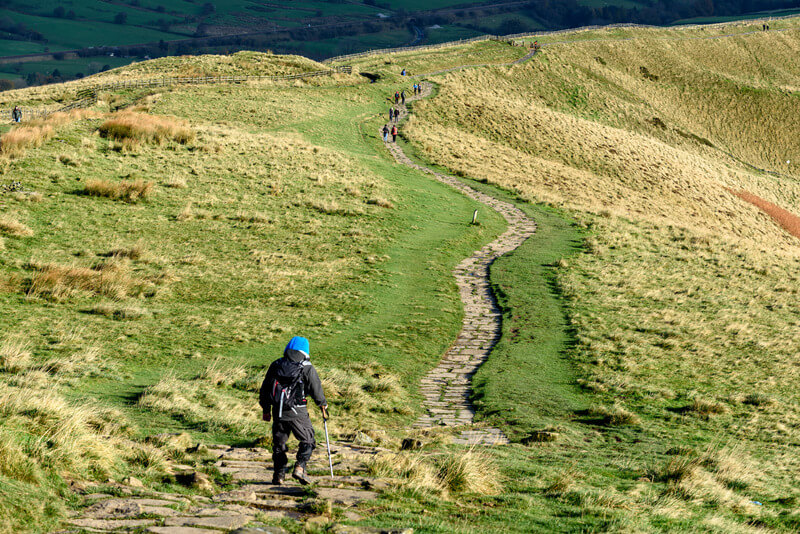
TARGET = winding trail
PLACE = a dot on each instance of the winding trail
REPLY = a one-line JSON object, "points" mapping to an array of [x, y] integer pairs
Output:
{"points": [[447, 387]]}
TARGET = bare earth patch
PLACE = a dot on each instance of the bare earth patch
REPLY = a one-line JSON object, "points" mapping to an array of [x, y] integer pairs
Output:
{"points": [[786, 219]]}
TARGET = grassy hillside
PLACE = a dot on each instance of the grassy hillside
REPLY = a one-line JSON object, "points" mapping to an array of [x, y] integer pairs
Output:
{"points": [[159, 257], [682, 305]]}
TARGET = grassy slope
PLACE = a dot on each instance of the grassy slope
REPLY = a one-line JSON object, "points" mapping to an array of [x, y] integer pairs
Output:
{"points": [[279, 239], [682, 303]]}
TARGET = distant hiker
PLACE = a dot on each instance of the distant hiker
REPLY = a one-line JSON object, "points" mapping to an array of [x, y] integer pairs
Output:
{"points": [[394, 133], [16, 115], [385, 132], [283, 398], [396, 97], [415, 88], [391, 114], [403, 73], [403, 96], [396, 115]]}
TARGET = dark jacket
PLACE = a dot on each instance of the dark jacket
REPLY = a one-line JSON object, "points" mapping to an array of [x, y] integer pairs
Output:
{"points": [[312, 387]]}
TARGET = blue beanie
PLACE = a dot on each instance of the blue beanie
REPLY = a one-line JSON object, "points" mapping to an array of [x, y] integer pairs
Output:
{"points": [[299, 344]]}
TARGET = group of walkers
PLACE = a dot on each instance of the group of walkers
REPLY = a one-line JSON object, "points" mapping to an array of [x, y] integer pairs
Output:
{"points": [[394, 112]]}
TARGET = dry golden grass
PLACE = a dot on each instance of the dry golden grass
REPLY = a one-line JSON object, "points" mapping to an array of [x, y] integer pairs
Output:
{"points": [[69, 434], [198, 402], [10, 226], [127, 191], [220, 374], [140, 127], [176, 183], [136, 252], [14, 143], [15, 356], [60, 282], [382, 202], [467, 472]]}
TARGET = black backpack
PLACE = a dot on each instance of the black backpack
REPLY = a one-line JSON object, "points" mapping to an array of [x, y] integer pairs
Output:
{"points": [[287, 389]]}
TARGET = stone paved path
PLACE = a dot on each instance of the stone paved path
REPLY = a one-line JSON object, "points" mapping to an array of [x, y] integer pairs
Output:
{"points": [[127, 507], [447, 387]]}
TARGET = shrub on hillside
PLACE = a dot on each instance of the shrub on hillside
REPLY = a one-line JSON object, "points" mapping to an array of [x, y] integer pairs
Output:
{"points": [[140, 127]]}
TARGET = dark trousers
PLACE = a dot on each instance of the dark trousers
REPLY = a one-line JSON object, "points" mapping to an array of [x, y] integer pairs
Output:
{"points": [[302, 430]]}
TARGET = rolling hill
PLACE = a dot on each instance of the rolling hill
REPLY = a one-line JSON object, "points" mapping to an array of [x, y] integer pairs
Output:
{"points": [[162, 245]]}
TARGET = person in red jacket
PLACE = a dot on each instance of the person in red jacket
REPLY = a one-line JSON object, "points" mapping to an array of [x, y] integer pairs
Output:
{"points": [[394, 133]]}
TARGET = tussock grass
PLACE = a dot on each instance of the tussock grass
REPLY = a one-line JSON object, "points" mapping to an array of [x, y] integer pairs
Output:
{"points": [[119, 313], [190, 212], [360, 392], [219, 373], [331, 207], [176, 183], [15, 356], [199, 403], [14, 143], [706, 407], [382, 202], [249, 217], [470, 472], [11, 226], [60, 282], [68, 160], [614, 416], [140, 127], [25, 196], [85, 362], [136, 252], [127, 191]]}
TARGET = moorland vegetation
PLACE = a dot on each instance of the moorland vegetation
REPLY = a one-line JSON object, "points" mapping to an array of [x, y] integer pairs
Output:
{"points": [[158, 256]]}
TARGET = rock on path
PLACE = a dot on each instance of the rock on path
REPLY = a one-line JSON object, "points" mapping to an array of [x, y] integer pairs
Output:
{"points": [[447, 387], [253, 501]]}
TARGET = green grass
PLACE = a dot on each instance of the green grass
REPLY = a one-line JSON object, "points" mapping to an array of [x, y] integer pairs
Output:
{"points": [[72, 34], [67, 67], [529, 383], [370, 286]]}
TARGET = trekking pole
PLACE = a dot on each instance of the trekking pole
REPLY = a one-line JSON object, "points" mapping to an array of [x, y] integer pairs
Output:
{"points": [[328, 443]]}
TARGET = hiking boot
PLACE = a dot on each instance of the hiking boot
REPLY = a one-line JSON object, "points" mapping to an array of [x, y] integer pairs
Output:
{"points": [[278, 478], [299, 474]]}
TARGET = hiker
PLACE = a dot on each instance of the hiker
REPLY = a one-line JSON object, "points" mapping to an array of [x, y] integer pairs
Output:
{"points": [[391, 114], [396, 97], [394, 133], [385, 132], [396, 115], [403, 73], [283, 398], [16, 115], [403, 96]]}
